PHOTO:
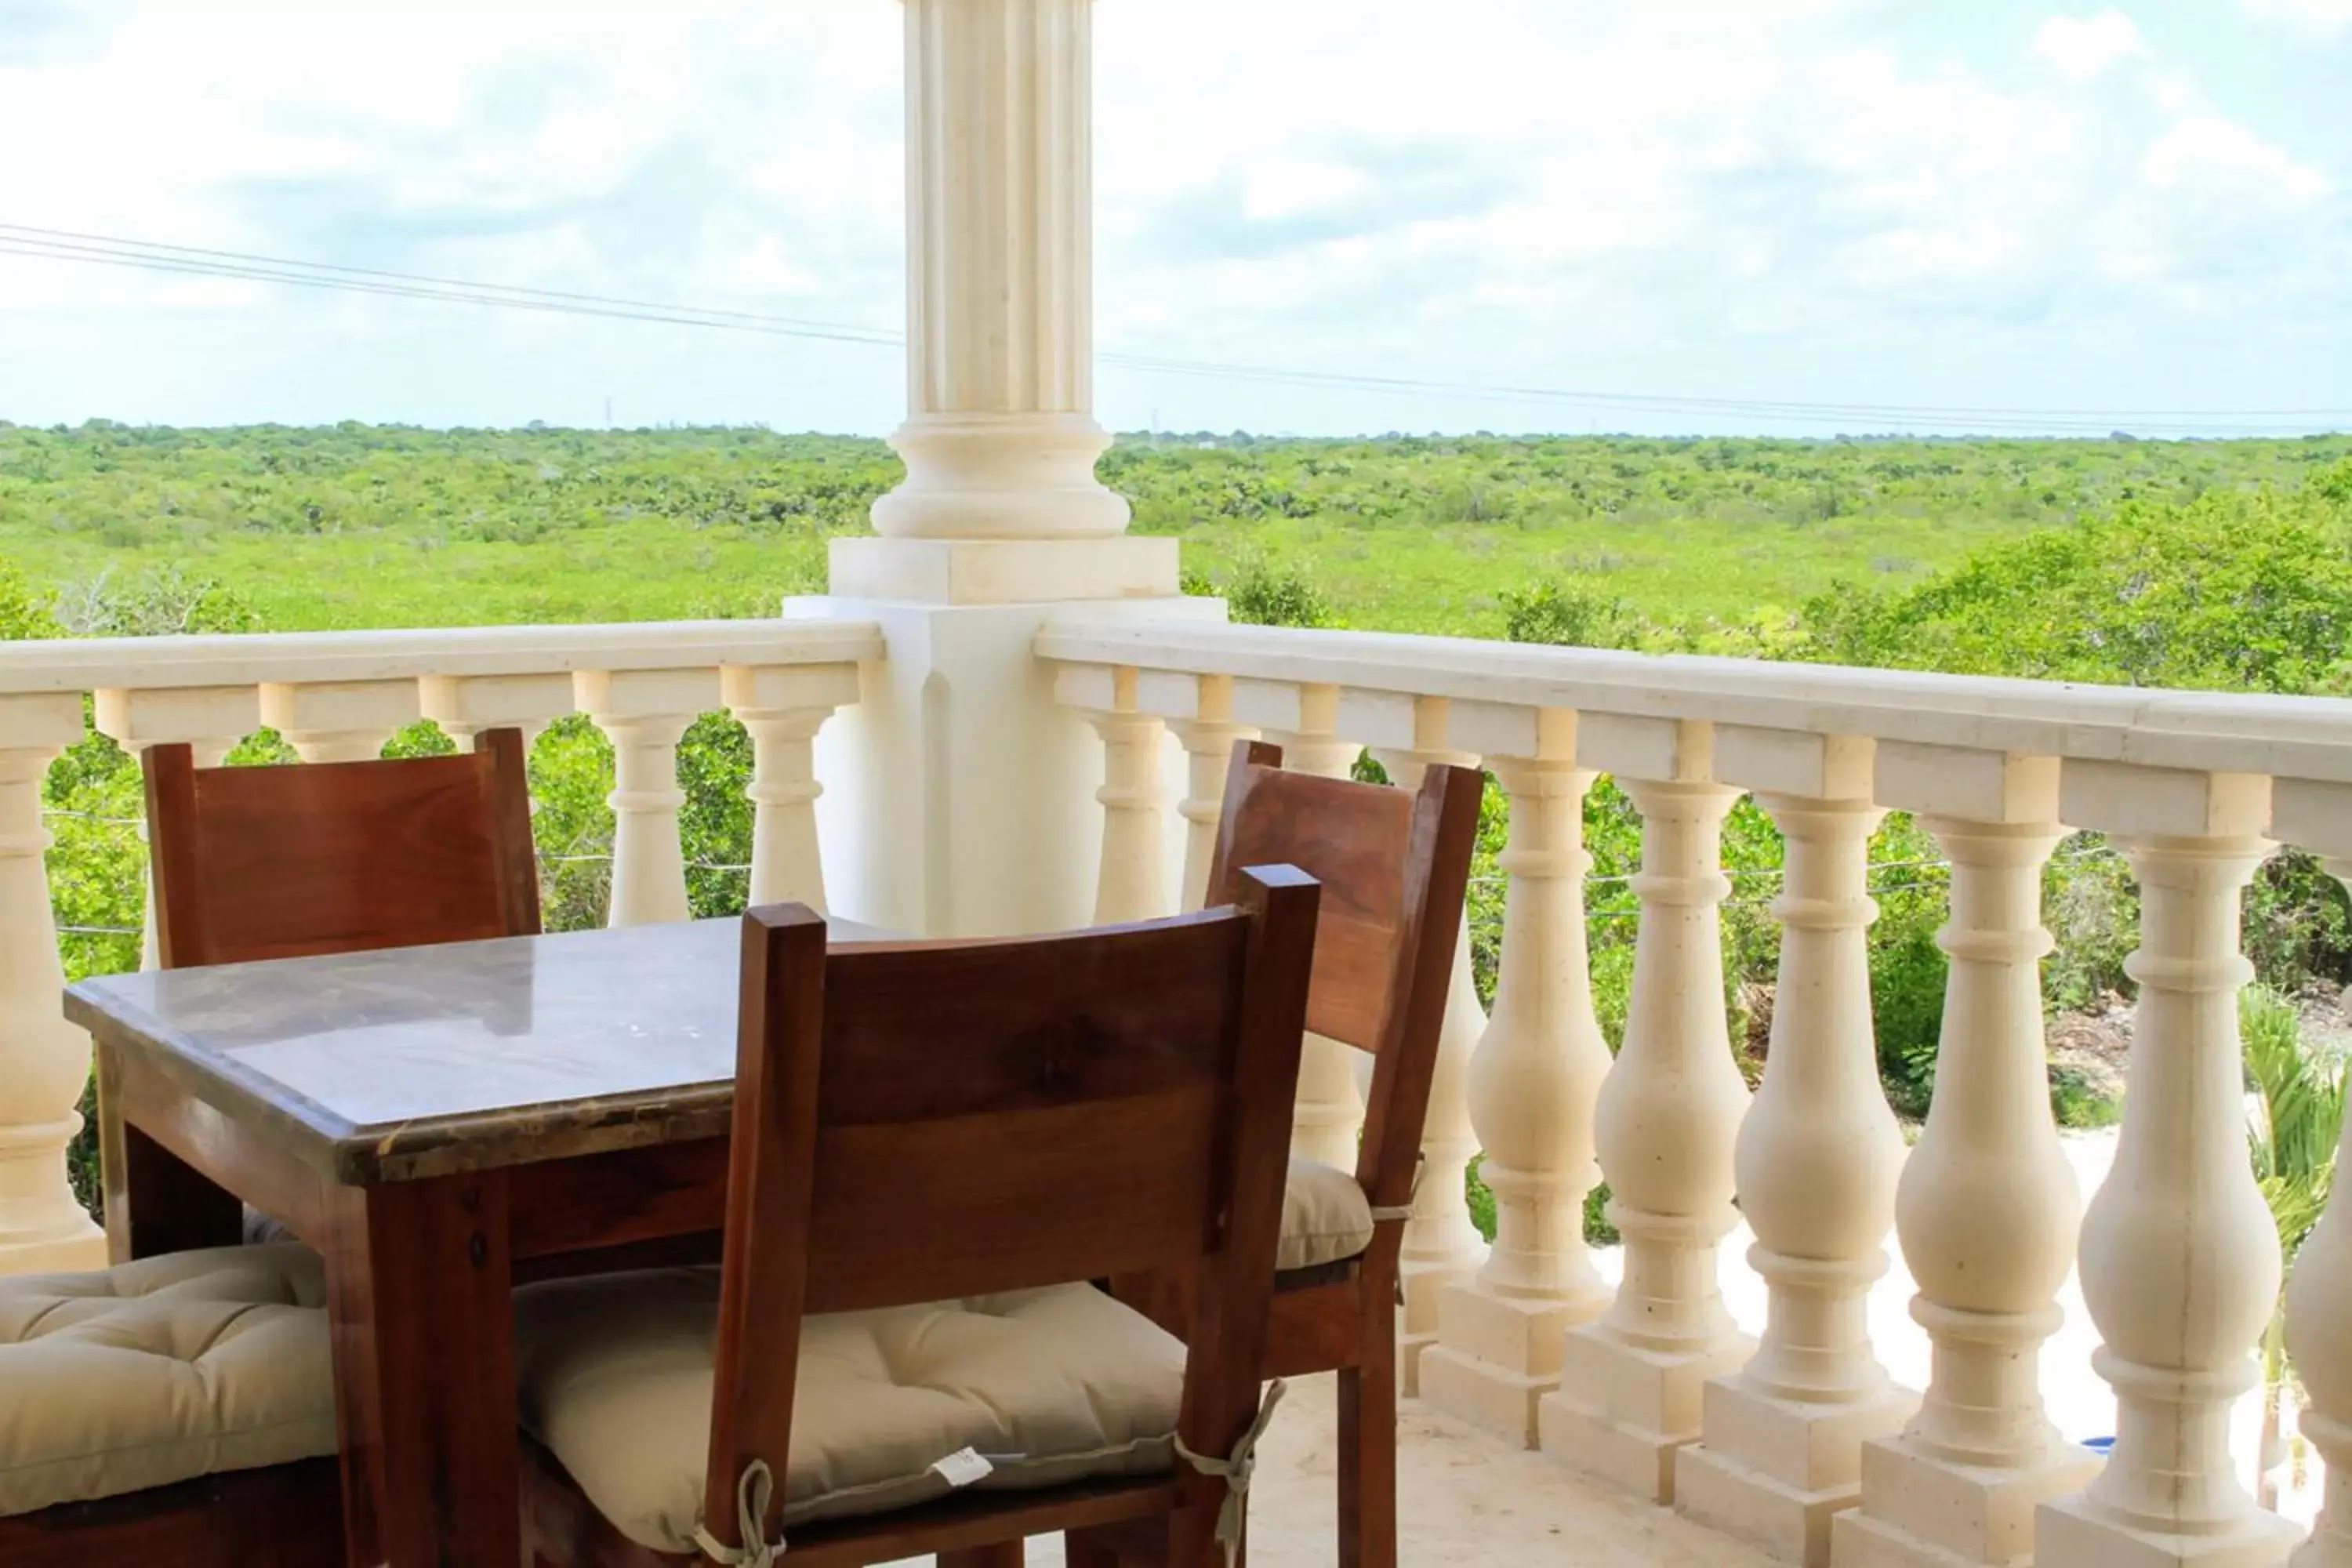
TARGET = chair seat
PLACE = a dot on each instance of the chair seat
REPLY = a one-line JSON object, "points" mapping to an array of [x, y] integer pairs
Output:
{"points": [[1050, 1386], [1325, 1218], [162, 1371]]}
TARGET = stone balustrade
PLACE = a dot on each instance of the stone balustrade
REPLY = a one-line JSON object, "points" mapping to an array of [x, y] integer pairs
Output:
{"points": [[1800, 1441], [342, 696]]}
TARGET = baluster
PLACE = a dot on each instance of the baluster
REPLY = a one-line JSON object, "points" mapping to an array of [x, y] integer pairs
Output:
{"points": [[1533, 1081], [1132, 882], [466, 705], [782, 707], [1631, 1383], [1442, 1244], [1208, 740], [645, 713], [43, 1061], [209, 719], [2179, 1255], [1816, 1163], [2320, 1344], [1331, 1115], [338, 720], [1987, 1206]]}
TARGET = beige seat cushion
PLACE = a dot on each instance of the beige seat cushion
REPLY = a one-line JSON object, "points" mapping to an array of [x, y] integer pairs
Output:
{"points": [[1325, 1217], [1049, 1385], [162, 1371]]}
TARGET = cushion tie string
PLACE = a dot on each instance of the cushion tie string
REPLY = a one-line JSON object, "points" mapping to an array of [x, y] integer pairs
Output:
{"points": [[1405, 1210], [754, 1492], [1235, 1472]]}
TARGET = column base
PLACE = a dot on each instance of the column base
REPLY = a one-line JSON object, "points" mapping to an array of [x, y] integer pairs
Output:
{"points": [[1776, 1471], [1002, 571], [1919, 1511], [68, 1251], [1498, 1356], [2078, 1532], [1622, 1413]]}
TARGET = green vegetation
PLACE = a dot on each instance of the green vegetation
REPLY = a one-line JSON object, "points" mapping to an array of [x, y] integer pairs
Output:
{"points": [[2206, 563]]}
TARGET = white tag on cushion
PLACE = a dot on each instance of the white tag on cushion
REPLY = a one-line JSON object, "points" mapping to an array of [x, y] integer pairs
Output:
{"points": [[962, 1468]]}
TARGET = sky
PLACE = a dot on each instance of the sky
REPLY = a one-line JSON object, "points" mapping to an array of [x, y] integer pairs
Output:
{"points": [[1730, 216]]}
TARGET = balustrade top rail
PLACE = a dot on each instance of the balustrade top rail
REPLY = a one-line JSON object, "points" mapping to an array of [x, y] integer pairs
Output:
{"points": [[2204, 732], [88, 664]]}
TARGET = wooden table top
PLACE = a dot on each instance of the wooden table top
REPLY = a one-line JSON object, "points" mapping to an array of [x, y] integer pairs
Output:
{"points": [[420, 1061]]}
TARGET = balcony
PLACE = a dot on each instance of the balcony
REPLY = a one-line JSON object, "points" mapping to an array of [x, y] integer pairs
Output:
{"points": [[1761, 1369]]}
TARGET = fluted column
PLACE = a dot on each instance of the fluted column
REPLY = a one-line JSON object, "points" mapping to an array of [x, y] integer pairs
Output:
{"points": [[1533, 1081], [2320, 1344], [1632, 1382], [1987, 1212], [1331, 1115], [1442, 1244], [1816, 1163], [645, 714], [1000, 440], [1132, 884], [43, 1061], [782, 707], [1208, 740], [2180, 1261], [338, 720]]}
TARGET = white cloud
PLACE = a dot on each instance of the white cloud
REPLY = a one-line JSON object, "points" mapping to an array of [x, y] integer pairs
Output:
{"points": [[2083, 48], [2321, 16], [2227, 159]]}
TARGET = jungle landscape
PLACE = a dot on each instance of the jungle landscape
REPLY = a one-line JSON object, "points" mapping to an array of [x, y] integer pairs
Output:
{"points": [[2218, 564]]}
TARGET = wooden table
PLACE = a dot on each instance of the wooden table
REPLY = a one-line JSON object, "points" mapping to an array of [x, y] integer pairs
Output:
{"points": [[438, 1123]]}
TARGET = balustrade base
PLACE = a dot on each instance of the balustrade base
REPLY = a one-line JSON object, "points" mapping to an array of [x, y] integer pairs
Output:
{"points": [[1919, 1511], [1622, 1413], [1777, 1471], [71, 1252], [1424, 1287], [2078, 1532], [1498, 1356]]}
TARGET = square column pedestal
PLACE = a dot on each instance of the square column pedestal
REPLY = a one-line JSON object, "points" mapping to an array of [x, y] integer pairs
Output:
{"points": [[1778, 1471], [1929, 1513], [959, 794], [1623, 1411]]}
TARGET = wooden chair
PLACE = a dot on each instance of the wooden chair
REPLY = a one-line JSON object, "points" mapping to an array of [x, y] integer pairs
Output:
{"points": [[1394, 867], [253, 863], [248, 863], [945, 1123]]}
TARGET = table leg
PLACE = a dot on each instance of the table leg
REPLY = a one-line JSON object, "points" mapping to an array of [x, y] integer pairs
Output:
{"points": [[420, 1293], [156, 1201]]}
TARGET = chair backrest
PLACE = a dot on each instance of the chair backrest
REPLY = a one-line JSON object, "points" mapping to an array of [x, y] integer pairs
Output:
{"points": [[928, 1120], [1395, 868], [276, 862]]}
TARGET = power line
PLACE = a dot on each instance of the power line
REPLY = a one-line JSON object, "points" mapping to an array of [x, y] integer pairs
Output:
{"points": [[89, 248]]}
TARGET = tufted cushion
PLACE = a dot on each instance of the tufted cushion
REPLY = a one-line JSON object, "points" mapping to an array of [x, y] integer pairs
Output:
{"points": [[1051, 1386], [162, 1371], [1325, 1217]]}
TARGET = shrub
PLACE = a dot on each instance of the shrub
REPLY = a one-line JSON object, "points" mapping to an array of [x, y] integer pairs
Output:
{"points": [[1568, 616]]}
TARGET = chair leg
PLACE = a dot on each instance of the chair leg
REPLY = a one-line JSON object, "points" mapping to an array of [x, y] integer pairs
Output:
{"points": [[1368, 1499], [1003, 1554]]}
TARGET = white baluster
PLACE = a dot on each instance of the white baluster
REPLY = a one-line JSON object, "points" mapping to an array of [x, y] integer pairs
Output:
{"points": [[208, 720], [43, 1061], [1442, 1245], [1331, 1115], [1533, 1082], [466, 705], [2320, 1344], [338, 720], [1816, 1163], [1132, 883], [782, 707], [1632, 1382], [1208, 741], [2179, 1255], [1987, 1206], [645, 713]]}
